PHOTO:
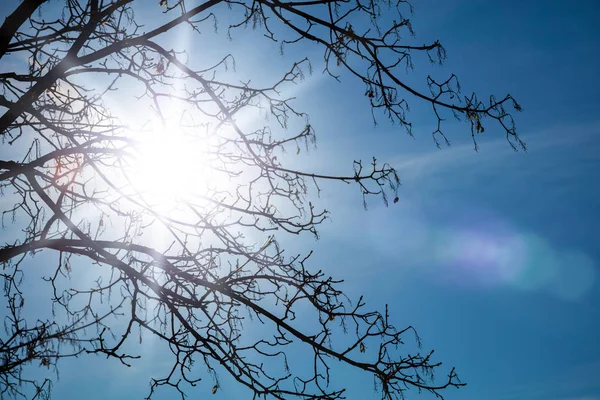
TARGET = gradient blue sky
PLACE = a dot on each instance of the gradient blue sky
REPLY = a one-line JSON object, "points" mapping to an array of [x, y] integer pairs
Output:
{"points": [[493, 256]]}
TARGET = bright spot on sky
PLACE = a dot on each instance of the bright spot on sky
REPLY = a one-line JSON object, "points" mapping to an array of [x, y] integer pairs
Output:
{"points": [[482, 252], [521, 260], [171, 166]]}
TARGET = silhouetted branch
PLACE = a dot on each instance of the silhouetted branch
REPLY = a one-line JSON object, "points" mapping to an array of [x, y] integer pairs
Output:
{"points": [[73, 172]]}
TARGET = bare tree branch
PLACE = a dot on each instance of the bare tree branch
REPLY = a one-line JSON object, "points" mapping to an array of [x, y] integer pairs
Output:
{"points": [[86, 194]]}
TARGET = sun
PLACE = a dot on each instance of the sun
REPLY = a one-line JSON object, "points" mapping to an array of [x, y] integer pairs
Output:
{"points": [[172, 166]]}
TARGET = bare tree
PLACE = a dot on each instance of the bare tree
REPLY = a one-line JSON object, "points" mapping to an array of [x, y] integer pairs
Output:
{"points": [[75, 193]]}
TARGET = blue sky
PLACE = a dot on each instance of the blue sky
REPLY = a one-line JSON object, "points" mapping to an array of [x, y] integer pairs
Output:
{"points": [[526, 325], [492, 256]]}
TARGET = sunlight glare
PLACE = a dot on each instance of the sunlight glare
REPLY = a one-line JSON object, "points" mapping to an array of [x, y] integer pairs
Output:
{"points": [[171, 167]]}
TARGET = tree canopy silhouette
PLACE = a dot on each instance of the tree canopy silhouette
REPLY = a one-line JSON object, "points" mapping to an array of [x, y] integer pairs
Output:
{"points": [[150, 224]]}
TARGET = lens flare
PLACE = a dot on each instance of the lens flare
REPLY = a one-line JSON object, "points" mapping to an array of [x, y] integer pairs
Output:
{"points": [[489, 256]]}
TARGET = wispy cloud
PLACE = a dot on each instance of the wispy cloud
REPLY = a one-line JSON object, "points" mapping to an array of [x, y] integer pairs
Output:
{"points": [[496, 152]]}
